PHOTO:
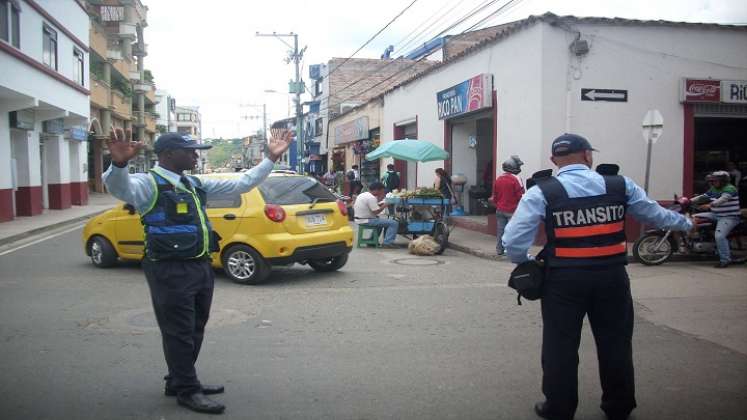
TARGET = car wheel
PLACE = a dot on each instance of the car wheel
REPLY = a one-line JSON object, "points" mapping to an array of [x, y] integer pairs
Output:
{"points": [[102, 252], [244, 265], [329, 264]]}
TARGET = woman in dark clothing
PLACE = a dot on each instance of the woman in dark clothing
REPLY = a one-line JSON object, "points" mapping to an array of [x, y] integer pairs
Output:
{"points": [[443, 183]]}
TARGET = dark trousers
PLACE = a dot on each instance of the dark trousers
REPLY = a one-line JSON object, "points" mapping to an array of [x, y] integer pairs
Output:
{"points": [[604, 295], [182, 292]]}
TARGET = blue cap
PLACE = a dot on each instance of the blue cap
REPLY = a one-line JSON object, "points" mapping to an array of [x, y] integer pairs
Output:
{"points": [[169, 141], [570, 143]]}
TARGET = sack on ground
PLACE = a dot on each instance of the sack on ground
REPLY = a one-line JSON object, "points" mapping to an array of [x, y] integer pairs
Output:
{"points": [[423, 245], [527, 280]]}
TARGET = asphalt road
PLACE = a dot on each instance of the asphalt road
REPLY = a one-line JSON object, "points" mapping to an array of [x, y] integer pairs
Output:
{"points": [[390, 336]]}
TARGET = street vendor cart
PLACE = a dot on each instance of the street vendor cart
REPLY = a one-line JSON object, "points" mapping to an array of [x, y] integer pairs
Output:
{"points": [[423, 211]]}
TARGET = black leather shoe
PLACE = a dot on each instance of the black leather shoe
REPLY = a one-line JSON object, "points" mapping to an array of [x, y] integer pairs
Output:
{"points": [[200, 403], [540, 409], [722, 264], [206, 389]]}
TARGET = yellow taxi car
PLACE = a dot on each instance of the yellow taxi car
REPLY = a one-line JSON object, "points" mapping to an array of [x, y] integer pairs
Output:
{"points": [[288, 218]]}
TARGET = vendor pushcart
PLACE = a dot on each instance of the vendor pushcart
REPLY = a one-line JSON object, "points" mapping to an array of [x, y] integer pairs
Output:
{"points": [[423, 211]]}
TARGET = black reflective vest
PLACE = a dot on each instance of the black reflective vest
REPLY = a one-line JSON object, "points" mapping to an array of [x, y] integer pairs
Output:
{"points": [[176, 224], [585, 231]]}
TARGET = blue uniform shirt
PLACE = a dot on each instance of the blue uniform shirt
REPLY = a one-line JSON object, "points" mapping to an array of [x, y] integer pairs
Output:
{"points": [[137, 189], [580, 181]]}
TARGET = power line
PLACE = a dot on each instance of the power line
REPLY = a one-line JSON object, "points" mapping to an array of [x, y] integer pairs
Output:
{"points": [[496, 13], [372, 38], [479, 7], [470, 14], [399, 45]]}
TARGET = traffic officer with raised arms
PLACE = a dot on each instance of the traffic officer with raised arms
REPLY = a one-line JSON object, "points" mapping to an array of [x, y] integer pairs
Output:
{"points": [[178, 243], [584, 265]]}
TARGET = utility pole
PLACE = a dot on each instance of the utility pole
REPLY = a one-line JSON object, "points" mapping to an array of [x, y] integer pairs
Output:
{"points": [[256, 117], [296, 87]]}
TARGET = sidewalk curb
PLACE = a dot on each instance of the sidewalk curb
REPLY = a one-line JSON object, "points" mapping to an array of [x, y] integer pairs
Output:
{"points": [[50, 227], [484, 255], [476, 252]]}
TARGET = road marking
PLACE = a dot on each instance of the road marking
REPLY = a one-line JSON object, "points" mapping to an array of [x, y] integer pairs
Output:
{"points": [[44, 238]]}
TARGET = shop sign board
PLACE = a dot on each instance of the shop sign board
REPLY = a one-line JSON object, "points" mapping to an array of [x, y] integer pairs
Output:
{"points": [[55, 126], [76, 133], [702, 90], [23, 119], [352, 131], [469, 96], [734, 91]]}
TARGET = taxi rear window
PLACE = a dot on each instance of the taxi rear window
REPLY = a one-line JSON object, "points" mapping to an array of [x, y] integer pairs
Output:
{"points": [[283, 190]]}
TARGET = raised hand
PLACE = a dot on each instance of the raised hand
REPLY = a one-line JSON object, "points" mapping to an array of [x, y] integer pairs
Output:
{"points": [[121, 146], [280, 140]]}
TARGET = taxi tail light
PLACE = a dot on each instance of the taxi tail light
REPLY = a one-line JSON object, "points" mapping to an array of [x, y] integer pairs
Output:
{"points": [[343, 207], [274, 212]]}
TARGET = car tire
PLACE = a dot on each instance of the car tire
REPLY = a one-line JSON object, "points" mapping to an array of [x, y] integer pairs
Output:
{"points": [[329, 264], [102, 252], [243, 265]]}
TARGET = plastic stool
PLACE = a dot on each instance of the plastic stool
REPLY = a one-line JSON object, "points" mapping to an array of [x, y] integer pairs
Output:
{"points": [[375, 235]]}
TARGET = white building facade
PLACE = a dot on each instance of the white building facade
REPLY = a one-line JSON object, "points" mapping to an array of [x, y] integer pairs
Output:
{"points": [[546, 75], [166, 109], [44, 106]]}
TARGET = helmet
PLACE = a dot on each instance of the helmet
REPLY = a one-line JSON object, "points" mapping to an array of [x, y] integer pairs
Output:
{"points": [[512, 164], [722, 176]]}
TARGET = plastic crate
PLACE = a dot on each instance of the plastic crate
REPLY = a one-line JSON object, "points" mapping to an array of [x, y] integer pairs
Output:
{"points": [[416, 201], [423, 227]]}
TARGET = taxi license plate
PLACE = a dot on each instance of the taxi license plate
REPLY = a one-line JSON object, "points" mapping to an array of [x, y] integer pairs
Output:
{"points": [[315, 220]]}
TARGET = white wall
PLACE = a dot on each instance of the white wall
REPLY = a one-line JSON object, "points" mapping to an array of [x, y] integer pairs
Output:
{"points": [[31, 82], [516, 66], [6, 176], [539, 82], [650, 63]]}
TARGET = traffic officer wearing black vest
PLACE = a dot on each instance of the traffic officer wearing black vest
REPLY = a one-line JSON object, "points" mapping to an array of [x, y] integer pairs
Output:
{"points": [[584, 259], [178, 243]]}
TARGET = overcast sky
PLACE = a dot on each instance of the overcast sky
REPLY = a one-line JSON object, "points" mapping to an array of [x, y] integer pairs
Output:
{"points": [[207, 54]]}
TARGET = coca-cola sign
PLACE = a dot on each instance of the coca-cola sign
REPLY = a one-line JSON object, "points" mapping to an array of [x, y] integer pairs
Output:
{"points": [[699, 90]]}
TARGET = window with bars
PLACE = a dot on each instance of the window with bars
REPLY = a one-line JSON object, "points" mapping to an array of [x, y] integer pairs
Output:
{"points": [[49, 44]]}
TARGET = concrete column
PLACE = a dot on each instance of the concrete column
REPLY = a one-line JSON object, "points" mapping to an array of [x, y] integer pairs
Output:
{"points": [[28, 195], [6, 174], [78, 151], [58, 171]]}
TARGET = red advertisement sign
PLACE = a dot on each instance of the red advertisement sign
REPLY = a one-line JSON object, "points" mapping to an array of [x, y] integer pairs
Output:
{"points": [[697, 90]]}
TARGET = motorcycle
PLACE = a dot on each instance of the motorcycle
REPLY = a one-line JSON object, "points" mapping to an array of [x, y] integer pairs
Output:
{"points": [[656, 246]]}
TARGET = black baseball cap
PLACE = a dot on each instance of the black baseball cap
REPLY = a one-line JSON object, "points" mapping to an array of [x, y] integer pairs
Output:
{"points": [[570, 143], [177, 141]]}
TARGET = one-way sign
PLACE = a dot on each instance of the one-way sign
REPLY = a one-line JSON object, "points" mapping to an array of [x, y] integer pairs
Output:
{"points": [[608, 95]]}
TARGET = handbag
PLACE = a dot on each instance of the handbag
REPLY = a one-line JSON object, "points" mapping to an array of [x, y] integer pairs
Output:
{"points": [[527, 279]]}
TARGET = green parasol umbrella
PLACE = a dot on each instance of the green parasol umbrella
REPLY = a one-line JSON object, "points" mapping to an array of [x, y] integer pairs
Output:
{"points": [[412, 150]]}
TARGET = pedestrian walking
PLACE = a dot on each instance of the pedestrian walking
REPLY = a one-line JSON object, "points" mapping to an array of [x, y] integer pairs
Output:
{"points": [[354, 176], [178, 243], [507, 191], [390, 179], [584, 260]]}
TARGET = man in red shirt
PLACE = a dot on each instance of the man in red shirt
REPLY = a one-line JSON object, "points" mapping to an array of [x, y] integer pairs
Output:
{"points": [[507, 191]]}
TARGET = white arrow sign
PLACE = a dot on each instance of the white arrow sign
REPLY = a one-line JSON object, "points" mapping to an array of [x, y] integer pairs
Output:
{"points": [[594, 95], [653, 125]]}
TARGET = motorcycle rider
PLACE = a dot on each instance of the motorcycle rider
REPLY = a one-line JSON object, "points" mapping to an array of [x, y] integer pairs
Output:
{"points": [[722, 199]]}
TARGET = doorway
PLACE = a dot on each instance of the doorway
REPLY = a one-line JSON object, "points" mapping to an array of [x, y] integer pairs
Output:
{"points": [[720, 144]]}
